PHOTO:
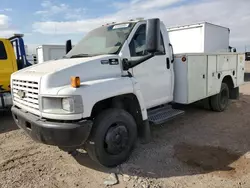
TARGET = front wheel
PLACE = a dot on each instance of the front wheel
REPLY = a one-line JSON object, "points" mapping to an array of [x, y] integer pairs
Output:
{"points": [[112, 138], [220, 101]]}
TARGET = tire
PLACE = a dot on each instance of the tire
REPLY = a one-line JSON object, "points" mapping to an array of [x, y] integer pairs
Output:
{"points": [[207, 103], [220, 102], [112, 138]]}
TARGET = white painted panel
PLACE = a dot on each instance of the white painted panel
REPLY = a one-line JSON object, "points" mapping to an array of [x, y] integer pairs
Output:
{"points": [[216, 38], [226, 62], [39, 52], [240, 69], [155, 81], [50, 52], [56, 53], [197, 74], [198, 38], [181, 81], [187, 40], [212, 80]]}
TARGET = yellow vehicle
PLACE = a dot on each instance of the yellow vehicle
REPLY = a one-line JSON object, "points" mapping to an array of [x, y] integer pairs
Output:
{"points": [[12, 58]]}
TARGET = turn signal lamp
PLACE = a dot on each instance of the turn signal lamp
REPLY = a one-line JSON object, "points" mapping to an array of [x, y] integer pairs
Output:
{"points": [[75, 81]]}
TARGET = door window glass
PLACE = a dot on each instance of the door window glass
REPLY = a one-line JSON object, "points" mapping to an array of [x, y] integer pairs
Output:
{"points": [[3, 54], [137, 45]]}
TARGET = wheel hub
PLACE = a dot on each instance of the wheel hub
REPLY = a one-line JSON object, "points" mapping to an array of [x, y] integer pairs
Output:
{"points": [[116, 139]]}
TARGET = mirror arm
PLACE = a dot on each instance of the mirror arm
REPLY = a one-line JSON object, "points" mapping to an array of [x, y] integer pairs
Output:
{"points": [[130, 64]]}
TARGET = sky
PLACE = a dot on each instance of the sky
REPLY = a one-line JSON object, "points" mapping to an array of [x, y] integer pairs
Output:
{"points": [[55, 21]]}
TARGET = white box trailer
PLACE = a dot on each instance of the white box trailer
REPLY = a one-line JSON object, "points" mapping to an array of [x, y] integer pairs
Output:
{"points": [[50, 52], [199, 38]]}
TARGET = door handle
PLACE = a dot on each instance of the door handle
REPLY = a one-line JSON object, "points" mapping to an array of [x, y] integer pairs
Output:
{"points": [[168, 63]]}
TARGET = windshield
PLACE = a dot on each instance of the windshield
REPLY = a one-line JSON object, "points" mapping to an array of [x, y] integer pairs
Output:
{"points": [[103, 40]]}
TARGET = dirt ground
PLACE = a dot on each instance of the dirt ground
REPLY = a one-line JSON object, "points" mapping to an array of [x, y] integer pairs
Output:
{"points": [[200, 149]]}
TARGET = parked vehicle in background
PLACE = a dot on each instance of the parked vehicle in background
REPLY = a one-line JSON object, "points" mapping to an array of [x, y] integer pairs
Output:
{"points": [[50, 52], [12, 58], [32, 58], [114, 83]]}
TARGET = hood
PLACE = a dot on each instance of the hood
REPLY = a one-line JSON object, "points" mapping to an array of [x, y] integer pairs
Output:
{"points": [[57, 73]]}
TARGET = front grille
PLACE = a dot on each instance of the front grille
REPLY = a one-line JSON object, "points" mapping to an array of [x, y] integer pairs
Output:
{"points": [[29, 91]]}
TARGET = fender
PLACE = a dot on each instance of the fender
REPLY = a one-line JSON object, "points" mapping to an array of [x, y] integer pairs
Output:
{"points": [[98, 90], [225, 74]]}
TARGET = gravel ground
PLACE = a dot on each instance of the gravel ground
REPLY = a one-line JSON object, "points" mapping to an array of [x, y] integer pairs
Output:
{"points": [[201, 149]]}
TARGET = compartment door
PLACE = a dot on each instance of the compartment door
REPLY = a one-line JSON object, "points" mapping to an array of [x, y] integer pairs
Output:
{"points": [[213, 84], [197, 78], [240, 69]]}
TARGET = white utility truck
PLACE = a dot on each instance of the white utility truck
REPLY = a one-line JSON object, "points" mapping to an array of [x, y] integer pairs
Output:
{"points": [[113, 84]]}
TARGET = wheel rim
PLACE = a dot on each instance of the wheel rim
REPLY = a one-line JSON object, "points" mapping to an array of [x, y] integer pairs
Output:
{"points": [[116, 139], [224, 97]]}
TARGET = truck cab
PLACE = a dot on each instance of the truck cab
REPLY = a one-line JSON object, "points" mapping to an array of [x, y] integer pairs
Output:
{"points": [[8, 64], [12, 58], [160, 64], [115, 82]]}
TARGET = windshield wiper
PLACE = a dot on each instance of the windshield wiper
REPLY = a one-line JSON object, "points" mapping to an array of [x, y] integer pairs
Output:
{"points": [[81, 55]]}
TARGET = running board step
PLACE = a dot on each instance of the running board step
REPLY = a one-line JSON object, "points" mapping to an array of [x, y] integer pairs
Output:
{"points": [[161, 115]]}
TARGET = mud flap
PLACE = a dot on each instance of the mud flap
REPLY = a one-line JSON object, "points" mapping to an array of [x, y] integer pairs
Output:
{"points": [[234, 93], [145, 132]]}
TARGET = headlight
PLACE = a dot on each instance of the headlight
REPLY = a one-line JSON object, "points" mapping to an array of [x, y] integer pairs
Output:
{"points": [[68, 104], [62, 105]]}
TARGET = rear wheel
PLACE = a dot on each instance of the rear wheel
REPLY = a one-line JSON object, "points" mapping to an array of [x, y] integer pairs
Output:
{"points": [[220, 101], [112, 138]]}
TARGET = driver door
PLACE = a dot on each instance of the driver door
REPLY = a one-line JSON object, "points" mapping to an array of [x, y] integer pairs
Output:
{"points": [[6, 67], [153, 75]]}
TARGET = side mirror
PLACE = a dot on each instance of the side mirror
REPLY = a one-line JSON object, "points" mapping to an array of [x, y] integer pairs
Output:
{"points": [[68, 46], [153, 35]]}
